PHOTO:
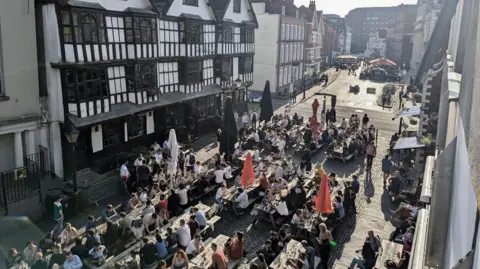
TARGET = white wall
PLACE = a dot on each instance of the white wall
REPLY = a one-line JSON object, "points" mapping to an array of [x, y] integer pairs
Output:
{"points": [[244, 14], [455, 31], [121, 5], [266, 51], [202, 10], [258, 8], [7, 152], [463, 206], [97, 138]]}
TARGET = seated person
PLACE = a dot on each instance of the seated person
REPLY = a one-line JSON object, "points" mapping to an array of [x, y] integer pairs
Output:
{"points": [[259, 262], [241, 202], [91, 223], [406, 211], [282, 208], [402, 228], [235, 246], [111, 235], [98, 253], [345, 151], [267, 252], [395, 186]]}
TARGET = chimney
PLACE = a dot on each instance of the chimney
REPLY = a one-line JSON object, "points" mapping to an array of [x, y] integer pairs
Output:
{"points": [[312, 6]]}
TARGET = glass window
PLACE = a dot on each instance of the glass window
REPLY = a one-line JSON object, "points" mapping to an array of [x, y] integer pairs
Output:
{"points": [[190, 2], [146, 78], [141, 30], [112, 133], [237, 8], [202, 108], [85, 85], [136, 126], [82, 27], [228, 34], [192, 33], [191, 72], [210, 106]]}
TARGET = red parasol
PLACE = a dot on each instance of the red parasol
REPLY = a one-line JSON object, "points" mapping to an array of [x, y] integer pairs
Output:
{"points": [[248, 174], [322, 201], [314, 127]]}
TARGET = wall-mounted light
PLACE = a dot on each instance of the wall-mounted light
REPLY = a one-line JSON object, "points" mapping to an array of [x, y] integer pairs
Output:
{"points": [[96, 128], [150, 113]]}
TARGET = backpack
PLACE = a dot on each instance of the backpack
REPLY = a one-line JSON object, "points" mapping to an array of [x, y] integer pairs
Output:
{"points": [[191, 159]]}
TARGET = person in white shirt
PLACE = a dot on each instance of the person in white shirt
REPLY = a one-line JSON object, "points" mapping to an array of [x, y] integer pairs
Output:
{"points": [[343, 125], [297, 218], [219, 196], [256, 137], [151, 222], [270, 158], [195, 246], [124, 173], [285, 122], [282, 208], [219, 174], [281, 146], [254, 118], [237, 152], [256, 155], [228, 171], [137, 230], [158, 156], [149, 208], [197, 168], [241, 203], [259, 167], [138, 161], [165, 145], [235, 114], [278, 171], [183, 234], [190, 161], [245, 120], [182, 195]]}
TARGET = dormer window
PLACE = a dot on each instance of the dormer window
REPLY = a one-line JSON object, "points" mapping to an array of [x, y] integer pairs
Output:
{"points": [[191, 2], [237, 8]]}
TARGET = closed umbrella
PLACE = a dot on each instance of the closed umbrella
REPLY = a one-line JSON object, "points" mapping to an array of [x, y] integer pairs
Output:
{"points": [[266, 107], [323, 203], [229, 130], [248, 174]]}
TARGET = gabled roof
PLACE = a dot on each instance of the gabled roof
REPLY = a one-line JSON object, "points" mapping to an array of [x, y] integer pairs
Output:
{"points": [[307, 12], [220, 7], [161, 6]]}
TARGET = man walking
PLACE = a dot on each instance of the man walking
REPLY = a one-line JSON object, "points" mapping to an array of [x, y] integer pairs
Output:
{"points": [[371, 152], [254, 119], [355, 190], [58, 216], [326, 81]]}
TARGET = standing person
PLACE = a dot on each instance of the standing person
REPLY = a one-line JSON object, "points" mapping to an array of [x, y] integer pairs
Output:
{"points": [[371, 250], [365, 121], [245, 119], [40, 262], [190, 161], [326, 80], [254, 119], [324, 244], [219, 261], [310, 253], [355, 191], [58, 216], [371, 153], [386, 169], [183, 234], [219, 136], [327, 117]]}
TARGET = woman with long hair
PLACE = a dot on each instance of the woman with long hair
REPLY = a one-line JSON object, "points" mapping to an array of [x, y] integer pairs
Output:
{"points": [[180, 260], [235, 246], [323, 241]]}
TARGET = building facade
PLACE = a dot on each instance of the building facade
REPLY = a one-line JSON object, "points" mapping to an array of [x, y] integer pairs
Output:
{"points": [[21, 119], [366, 21], [314, 35], [280, 46], [427, 15], [377, 45], [403, 26], [348, 38], [125, 72]]}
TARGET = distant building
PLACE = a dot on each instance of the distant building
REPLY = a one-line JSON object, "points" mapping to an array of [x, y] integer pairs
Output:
{"points": [[368, 20], [314, 35], [348, 38], [427, 15], [377, 45], [340, 28], [280, 45]]}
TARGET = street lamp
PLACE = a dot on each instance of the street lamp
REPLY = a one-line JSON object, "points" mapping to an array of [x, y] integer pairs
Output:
{"points": [[71, 133], [238, 82], [305, 73]]}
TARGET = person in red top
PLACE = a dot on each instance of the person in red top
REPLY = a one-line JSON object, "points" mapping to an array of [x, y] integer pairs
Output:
{"points": [[264, 182], [162, 204], [235, 246], [219, 261]]}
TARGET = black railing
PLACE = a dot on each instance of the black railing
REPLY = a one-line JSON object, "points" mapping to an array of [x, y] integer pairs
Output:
{"points": [[23, 182]]}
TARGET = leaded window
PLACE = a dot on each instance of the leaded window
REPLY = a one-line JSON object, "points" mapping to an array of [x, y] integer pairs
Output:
{"points": [[245, 65], [191, 72], [174, 116], [141, 30], [237, 8], [227, 68], [83, 27], [136, 126], [85, 85], [243, 35], [146, 76], [190, 2], [250, 35], [228, 34], [191, 32], [112, 133], [211, 106]]}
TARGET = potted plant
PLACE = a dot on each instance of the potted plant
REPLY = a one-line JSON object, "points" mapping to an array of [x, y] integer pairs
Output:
{"points": [[427, 140]]}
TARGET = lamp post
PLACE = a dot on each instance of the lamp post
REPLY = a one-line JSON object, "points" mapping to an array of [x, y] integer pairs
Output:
{"points": [[304, 87], [71, 133], [239, 84]]}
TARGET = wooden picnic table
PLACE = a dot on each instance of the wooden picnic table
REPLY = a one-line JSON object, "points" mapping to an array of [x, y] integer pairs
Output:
{"points": [[204, 259], [232, 191], [390, 251], [291, 251]]}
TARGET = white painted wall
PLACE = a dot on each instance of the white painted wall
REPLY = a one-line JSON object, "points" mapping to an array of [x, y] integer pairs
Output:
{"points": [[266, 51], [455, 31], [54, 86], [97, 138], [244, 15], [202, 10], [150, 123], [258, 8], [7, 150]]}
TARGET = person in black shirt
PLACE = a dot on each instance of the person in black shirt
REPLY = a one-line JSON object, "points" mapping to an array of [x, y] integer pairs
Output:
{"points": [[194, 226], [143, 173], [174, 203], [111, 235], [148, 254], [58, 257], [79, 249]]}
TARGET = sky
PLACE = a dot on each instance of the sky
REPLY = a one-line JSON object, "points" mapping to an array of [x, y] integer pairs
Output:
{"points": [[342, 7]]}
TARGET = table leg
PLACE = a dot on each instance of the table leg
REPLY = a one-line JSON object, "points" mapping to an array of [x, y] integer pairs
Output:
{"points": [[272, 220]]}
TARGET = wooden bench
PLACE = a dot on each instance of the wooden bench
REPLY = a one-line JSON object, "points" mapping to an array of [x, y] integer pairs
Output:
{"points": [[390, 251]]}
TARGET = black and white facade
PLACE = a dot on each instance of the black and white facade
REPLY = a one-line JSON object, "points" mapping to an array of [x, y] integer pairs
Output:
{"points": [[124, 72]]}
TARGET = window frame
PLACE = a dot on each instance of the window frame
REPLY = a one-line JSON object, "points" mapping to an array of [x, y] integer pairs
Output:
{"points": [[139, 124], [78, 82], [72, 21], [228, 34], [117, 133], [185, 72], [141, 80], [190, 3], [135, 32], [237, 6], [191, 32]]}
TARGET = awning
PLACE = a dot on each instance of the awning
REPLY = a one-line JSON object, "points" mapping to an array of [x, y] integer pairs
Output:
{"points": [[127, 108], [382, 61], [408, 111], [408, 143]]}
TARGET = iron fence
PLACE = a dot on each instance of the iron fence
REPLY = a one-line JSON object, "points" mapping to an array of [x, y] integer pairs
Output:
{"points": [[23, 182]]}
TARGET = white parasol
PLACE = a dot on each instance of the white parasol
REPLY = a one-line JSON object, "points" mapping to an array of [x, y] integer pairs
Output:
{"points": [[173, 148]]}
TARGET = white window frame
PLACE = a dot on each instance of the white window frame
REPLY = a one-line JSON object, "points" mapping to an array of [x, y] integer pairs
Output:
{"points": [[280, 76], [282, 48], [282, 36]]}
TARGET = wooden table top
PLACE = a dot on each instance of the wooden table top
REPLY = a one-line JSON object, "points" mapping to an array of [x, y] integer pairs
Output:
{"points": [[232, 191], [291, 251], [390, 251], [204, 259]]}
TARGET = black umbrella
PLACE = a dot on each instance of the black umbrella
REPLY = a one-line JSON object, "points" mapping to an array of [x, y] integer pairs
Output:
{"points": [[229, 134], [266, 107]]}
